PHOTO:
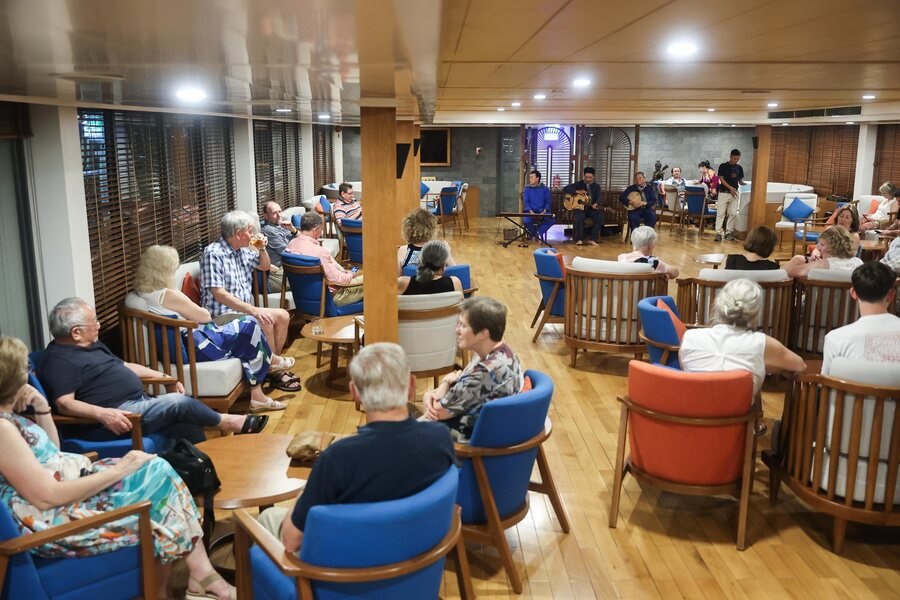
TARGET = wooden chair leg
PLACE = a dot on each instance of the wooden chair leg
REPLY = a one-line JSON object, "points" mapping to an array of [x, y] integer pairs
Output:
{"points": [[465, 212], [619, 473], [548, 487], [148, 562], [537, 313], [839, 532], [572, 356], [746, 486], [242, 563], [544, 318], [463, 573], [495, 525]]}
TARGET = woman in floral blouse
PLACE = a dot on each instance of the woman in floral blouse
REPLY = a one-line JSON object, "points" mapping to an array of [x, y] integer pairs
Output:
{"points": [[493, 372], [43, 487]]}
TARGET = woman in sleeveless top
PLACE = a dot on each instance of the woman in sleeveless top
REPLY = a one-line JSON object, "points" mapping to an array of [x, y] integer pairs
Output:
{"points": [[43, 487], [430, 278], [758, 247], [834, 251], [733, 343], [419, 227], [242, 338]]}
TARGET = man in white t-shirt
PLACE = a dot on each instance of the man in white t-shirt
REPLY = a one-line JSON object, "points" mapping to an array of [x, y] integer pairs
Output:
{"points": [[876, 335]]}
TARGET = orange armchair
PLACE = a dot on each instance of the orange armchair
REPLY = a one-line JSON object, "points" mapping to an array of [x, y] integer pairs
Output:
{"points": [[688, 433]]}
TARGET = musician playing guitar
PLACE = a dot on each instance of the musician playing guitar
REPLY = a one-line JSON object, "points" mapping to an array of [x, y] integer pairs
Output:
{"points": [[536, 199], [587, 205], [641, 201]]}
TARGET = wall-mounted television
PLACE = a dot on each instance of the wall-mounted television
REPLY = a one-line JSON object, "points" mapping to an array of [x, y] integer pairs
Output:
{"points": [[435, 147]]}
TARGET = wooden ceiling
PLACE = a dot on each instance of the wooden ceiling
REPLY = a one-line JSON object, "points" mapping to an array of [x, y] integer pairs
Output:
{"points": [[457, 61]]}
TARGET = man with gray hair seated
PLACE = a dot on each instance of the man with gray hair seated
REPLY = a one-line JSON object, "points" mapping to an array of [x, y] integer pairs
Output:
{"points": [[227, 268], [392, 456], [643, 241], [84, 379], [279, 233]]}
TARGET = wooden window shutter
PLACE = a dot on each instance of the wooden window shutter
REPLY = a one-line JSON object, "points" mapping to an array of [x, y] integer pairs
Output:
{"points": [[323, 156], [887, 156], [277, 156]]}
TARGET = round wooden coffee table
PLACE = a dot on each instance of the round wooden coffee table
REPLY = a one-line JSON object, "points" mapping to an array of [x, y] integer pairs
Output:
{"points": [[337, 331], [714, 260]]}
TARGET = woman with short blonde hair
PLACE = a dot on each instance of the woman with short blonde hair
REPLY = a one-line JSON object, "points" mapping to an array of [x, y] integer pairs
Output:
{"points": [[834, 250], [419, 227]]}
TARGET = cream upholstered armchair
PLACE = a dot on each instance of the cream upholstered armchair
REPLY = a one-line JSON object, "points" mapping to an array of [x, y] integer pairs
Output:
{"points": [[601, 305], [427, 332]]}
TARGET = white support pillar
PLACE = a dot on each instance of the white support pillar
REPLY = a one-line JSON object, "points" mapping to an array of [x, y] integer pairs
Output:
{"points": [[306, 160], [865, 159], [63, 247], [244, 166]]}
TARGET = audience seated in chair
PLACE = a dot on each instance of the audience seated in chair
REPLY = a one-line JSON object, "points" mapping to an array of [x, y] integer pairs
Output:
{"points": [[42, 487], [419, 227], [733, 342], [430, 278], [83, 378], [882, 213], [846, 217], [307, 244], [758, 248], [875, 336], [392, 456], [347, 206], [643, 241], [493, 372], [241, 338], [227, 269], [279, 232], [835, 251]]}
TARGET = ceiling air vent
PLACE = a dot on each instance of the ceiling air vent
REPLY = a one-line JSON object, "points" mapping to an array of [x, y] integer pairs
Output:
{"points": [[844, 111], [816, 112], [781, 114]]}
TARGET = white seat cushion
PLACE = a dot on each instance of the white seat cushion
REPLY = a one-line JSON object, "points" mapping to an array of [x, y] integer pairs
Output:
{"points": [[594, 265], [214, 378], [732, 274], [429, 343], [830, 275], [332, 245], [294, 210], [310, 203]]}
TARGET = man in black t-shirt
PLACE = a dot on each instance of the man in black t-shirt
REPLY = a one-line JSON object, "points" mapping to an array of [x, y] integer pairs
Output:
{"points": [[82, 378], [392, 456], [731, 176]]}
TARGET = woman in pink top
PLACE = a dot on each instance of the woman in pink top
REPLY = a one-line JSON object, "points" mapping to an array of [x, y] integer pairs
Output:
{"points": [[643, 240]]}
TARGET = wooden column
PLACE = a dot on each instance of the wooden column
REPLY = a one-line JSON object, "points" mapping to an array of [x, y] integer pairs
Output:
{"points": [[383, 212], [760, 178], [407, 186]]}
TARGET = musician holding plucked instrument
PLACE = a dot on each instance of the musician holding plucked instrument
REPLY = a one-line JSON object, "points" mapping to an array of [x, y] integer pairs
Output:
{"points": [[536, 199], [641, 201], [584, 198]]}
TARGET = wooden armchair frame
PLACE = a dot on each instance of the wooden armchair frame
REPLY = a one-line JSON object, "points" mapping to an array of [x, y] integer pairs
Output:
{"points": [[819, 306], [696, 297], [542, 310], [590, 290], [740, 489], [798, 225], [248, 528], [492, 532], [439, 205], [25, 543], [801, 456], [132, 323]]}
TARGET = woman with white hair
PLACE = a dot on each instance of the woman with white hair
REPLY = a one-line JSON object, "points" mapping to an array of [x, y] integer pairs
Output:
{"points": [[241, 338], [643, 241], [733, 343], [886, 207]]}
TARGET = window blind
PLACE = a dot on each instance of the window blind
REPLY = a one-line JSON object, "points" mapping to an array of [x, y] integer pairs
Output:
{"points": [[823, 157], [323, 156], [887, 156], [278, 170], [150, 178]]}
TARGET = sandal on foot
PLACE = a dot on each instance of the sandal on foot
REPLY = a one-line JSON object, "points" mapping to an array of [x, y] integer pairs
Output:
{"points": [[287, 363], [285, 381], [254, 424], [204, 593], [269, 404]]}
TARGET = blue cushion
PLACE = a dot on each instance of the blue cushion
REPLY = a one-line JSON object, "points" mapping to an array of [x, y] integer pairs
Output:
{"points": [[548, 265], [797, 210], [295, 220], [811, 236], [423, 189], [657, 326], [110, 575]]}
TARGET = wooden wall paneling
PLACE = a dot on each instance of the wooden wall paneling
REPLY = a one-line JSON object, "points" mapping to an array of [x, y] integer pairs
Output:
{"points": [[378, 137], [761, 158]]}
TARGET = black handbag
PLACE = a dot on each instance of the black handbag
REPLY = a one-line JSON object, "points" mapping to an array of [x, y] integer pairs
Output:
{"points": [[196, 469]]}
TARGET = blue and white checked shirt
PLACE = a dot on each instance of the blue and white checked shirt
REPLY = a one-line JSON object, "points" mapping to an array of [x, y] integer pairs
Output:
{"points": [[892, 257], [222, 267]]}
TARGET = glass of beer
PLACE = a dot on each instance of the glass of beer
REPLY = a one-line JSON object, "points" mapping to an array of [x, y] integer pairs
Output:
{"points": [[258, 241]]}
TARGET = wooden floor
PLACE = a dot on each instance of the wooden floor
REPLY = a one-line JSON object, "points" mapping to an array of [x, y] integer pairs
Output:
{"points": [[665, 545]]}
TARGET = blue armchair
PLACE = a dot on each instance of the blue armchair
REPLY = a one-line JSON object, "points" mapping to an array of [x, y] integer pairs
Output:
{"points": [[394, 549], [125, 573], [70, 442], [697, 206], [352, 240], [497, 465], [658, 331], [324, 208], [551, 308], [463, 272], [448, 207]]}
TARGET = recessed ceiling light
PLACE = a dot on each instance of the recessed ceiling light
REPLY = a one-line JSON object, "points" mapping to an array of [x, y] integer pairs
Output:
{"points": [[324, 117], [682, 49], [500, 109], [784, 124], [850, 123], [721, 124], [710, 110], [733, 125], [190, 94], [772, 105], [869, 97], [283, 110], [516, 104], [539, 96], [581, 82]]}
